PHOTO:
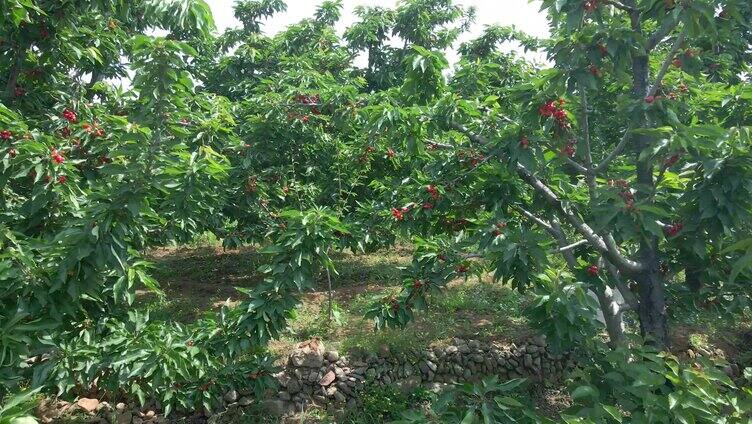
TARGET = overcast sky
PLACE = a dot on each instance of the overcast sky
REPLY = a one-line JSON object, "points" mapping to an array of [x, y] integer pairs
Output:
{"points": [[521, 13]]}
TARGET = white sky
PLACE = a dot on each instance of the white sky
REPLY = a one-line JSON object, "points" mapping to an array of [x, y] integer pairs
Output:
{"points": [[520, 13]]}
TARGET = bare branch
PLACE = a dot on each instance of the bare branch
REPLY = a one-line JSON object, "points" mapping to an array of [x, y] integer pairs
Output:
{"points": [[614, 153], [625, 291], [529, 215], [589, 175], [581, 169], [619, 5], [583, 228], [666, 27], [572, 246], [667, 63]]}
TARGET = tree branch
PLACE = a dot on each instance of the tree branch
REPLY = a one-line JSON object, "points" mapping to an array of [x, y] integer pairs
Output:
{"points": [[626, 293], [619, 5], [614, 153], [666, 27], [583, 228], [589, 175], [572, 246], [667, 63], [529, 215]]}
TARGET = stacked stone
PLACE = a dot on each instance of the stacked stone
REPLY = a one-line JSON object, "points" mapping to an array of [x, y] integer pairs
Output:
{"points": [[314, 375]]}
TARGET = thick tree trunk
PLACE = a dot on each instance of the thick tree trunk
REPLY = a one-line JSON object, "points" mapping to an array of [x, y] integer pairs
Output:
{"points": [[15, 70], [652, 309], [692, 278]]}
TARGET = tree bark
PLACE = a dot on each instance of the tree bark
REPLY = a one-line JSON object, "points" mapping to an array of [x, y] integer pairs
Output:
{"points": [[652, 309], [612, 316], [15, 70], [692, 278]]}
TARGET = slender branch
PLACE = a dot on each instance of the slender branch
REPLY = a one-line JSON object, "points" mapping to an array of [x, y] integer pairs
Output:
{"points": [[626, 293], [576, 165], [667, 63], [614, 153], [619, 5], [529, 215], [15, 70], [589, 175], [583, 228], [559, 235], [661, 33], [572, 246]]}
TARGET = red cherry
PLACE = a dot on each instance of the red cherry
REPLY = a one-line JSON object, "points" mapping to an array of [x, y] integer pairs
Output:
{"points": [[417, 284], [19, 92], [569, 149], [677, 62], [6, 135], [304, 118], [70, 115], [671, 161], [427, 206], [524, 142], [595, 71], [602, 49], [62, 179], [398, 214], [65, 132], [649, 99], [592, 270]]}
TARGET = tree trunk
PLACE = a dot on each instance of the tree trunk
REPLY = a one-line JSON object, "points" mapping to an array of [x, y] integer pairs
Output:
{"points": [[612, 316], [15, 70], [693, 278], [652, 309], [612, 312]]}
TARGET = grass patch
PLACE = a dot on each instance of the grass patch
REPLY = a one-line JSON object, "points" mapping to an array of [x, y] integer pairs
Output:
{"points": [[197, 279]]}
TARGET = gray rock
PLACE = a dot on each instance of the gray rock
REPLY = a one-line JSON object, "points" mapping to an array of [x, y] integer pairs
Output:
{"points": [[431, 366], [332, 356], [339, 397], [540, 340], [284, 395], [124, 418], [245, 401], [276, 407], [294, 386], [528, 361], [450, 350], [327, 379], [384, 351], [231, 396], [308, 356]]}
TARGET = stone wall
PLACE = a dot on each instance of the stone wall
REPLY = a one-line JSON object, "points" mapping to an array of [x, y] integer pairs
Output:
{"points": [[315, 375]]}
